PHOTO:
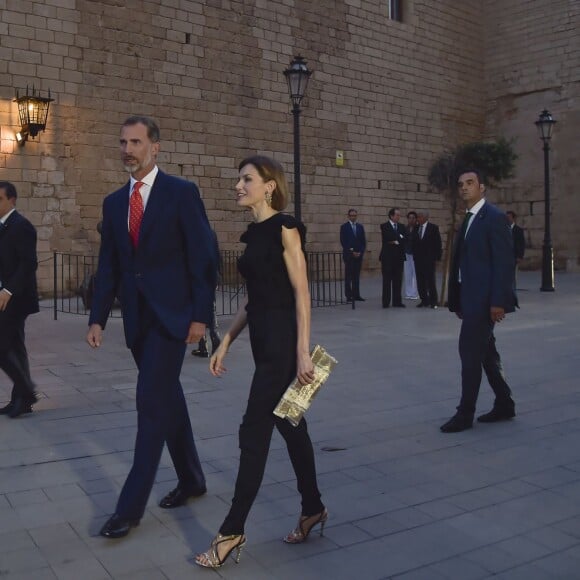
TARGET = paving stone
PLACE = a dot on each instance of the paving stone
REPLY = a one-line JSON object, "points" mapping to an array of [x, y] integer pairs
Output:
{"points": [[405, 499]]}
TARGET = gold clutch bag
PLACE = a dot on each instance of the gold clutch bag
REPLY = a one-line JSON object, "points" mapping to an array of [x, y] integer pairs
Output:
{"points": [[298, 398]]}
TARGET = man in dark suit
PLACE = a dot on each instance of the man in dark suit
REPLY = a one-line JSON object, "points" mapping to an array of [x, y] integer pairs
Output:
{"points": [[18, 299], [354, 243], [157, 254], [392, 259], [518, 239], [481, 293], [427, 251]]}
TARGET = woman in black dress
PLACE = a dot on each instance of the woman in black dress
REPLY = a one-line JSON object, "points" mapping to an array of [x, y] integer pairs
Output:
{"points": [[277, 311]]}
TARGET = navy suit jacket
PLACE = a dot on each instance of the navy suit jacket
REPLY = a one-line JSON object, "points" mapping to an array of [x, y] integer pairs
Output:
{"points": [[349, 241], [486, 264], [428, 248], [519, 242], [18, 264], [393, 253], [173, 268]]}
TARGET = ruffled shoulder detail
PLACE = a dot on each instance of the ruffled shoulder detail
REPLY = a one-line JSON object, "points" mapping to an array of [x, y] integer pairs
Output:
{"points": [[290, 222]]}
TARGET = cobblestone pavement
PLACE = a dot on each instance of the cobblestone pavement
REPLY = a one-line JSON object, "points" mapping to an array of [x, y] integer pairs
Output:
{"points": [[406, 501]]}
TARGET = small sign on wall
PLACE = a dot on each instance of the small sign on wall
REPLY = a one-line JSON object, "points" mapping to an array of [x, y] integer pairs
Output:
{"points": [[339, 158]]}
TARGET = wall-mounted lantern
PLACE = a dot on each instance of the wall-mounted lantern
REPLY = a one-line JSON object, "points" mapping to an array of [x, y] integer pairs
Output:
{"points": [[33, 112]]}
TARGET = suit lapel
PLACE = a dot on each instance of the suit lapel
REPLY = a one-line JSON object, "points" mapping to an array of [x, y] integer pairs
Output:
{"points": [[122, 218]]}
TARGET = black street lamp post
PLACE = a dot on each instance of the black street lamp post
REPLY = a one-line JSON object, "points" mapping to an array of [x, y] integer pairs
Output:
{"points": [[297, 75], [545, 125]]}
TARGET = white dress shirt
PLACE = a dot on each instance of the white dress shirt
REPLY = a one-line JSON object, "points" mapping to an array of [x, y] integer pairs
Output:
{"points": [[145, 190]]}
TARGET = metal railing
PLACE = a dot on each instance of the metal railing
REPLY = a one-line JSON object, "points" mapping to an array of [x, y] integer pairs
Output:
{"points": [[73, 282]]}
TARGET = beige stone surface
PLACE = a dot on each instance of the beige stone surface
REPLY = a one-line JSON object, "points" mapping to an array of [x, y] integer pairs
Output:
{"points": [[392, 96]]}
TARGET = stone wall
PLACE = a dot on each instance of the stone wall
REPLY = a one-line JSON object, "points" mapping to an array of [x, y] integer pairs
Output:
{"points": [[391, 95], [532, 62]]}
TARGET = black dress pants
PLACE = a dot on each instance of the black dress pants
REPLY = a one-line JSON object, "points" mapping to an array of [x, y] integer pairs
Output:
{"points": [[352, 268], [426, 285], [478, 351], [392, 281], [14, 358], [273, 339], [162, 417]]}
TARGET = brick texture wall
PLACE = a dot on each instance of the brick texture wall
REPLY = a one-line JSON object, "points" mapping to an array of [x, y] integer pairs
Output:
{"points": [[532, 62], [391, 95]]}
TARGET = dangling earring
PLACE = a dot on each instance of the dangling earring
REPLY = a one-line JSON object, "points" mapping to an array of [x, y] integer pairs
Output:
{"points": [[269, 198]]}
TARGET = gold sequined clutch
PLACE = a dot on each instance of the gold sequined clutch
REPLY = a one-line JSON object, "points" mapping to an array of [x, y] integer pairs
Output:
{"points": [[298, 398]]}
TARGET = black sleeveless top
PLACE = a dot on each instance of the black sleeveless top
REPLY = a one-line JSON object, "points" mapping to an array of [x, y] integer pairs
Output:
{"points": [[263, 267]]}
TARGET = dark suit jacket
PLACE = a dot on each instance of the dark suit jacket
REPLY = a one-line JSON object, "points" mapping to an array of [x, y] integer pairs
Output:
{"points": [[18, 264], [519, 242], [487, 266], [428, 248], [392, 253], [174, 267], [349, 241]]}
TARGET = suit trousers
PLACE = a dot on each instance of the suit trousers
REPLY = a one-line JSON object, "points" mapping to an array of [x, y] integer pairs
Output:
{"points": [[352, 268], [273, 337], [14, 359], [426, 284], [162, 417], [392, 280], [477, 351]]}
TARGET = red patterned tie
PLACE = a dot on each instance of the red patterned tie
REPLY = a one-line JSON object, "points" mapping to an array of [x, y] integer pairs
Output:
{"points": [[135, 213]]}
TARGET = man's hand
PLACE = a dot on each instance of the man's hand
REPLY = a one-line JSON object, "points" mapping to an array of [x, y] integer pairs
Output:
{"points": [[4, 299], [196, 332], [95, 335], [497, 313]]}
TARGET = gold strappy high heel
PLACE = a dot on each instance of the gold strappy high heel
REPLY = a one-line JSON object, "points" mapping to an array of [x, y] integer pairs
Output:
{"points": [[305, 525], [211, 558]]}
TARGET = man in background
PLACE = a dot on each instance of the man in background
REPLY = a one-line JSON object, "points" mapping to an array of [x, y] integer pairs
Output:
{"points": [[480, 293], [392, 258], [353, 241], [427, 252], [18, 299]]}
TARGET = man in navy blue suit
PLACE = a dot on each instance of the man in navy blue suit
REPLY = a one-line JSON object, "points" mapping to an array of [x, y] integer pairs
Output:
{"points": [[18, 299], [157, 255], [481, 293], [354, 243]]}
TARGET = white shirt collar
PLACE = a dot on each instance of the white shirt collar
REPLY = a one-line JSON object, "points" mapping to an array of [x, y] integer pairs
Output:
{"points": [[3, 219], [475, 209], [149, 179], [148, 182]]}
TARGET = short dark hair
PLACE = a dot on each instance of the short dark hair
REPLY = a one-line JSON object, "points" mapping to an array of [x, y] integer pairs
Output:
{"points": [[412, 213], [9, 188], [392, 211], [479, 174], [352, 209], [512, 213], [152, 127]]}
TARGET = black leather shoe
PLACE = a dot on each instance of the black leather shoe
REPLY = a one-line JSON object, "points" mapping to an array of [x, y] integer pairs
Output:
{"points": [[20, 406], [360, 299], [6, 409], [200, 352], [117, 527], [498, 414], [457, 423], [179, 497], [421, 305]]}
